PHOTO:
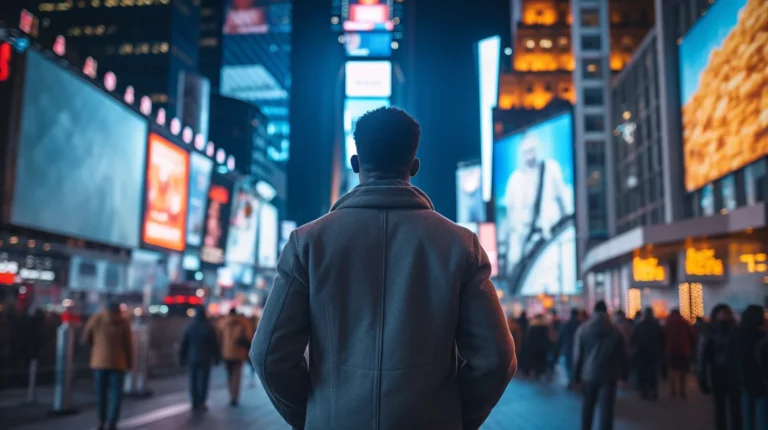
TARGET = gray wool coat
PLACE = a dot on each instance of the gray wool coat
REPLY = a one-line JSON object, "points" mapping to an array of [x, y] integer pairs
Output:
{"points": [[403, 326]]}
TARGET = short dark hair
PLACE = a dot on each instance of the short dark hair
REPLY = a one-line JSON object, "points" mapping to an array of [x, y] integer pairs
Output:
{"points": [[387, 139], [601, 307]]}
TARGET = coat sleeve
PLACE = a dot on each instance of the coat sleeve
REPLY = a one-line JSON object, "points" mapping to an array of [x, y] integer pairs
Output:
{"points": [[277, 352], [484, 341]]}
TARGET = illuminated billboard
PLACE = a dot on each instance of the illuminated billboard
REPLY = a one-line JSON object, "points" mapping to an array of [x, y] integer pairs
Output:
{"points": [[200, 168], [368, 78], [488, 51], [165, 213], [216, 220], [268, 236], [243, 226], [79, 170], [486, 234], [367, 15], [368, 44], [723, 80], [245, 17], [251, 83], [470, 207], [533, 178]]}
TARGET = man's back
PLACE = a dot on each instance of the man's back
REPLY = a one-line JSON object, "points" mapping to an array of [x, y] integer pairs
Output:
{"points": [[386, 290], [600, 351]]}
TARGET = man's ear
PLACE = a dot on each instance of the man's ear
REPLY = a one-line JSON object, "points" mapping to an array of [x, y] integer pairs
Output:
{"points": [[415, 167], [355, 162]]}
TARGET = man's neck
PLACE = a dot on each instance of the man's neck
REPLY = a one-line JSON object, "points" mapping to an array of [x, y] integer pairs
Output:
{"points": [[368, 177]]}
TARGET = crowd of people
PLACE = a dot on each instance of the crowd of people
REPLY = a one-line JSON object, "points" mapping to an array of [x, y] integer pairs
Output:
{"points": [[602, 352], [204, 343]]}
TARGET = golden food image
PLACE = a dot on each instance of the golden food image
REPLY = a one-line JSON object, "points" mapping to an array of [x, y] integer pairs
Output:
{"points": [[725, 122]]}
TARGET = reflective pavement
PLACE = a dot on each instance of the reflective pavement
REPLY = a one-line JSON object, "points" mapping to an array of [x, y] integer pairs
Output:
{"points": [[526, 405]]}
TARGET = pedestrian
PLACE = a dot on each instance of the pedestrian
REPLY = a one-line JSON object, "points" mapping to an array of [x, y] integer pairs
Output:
{"points": [[199, 349], [566, 340], [394, 303], [678, 340], [523, 361], [109, 335], [538, 345], [717, 371], [648, 350], [754, 395], [235, 336], [600, 362], [516, 332], [555, 326]]}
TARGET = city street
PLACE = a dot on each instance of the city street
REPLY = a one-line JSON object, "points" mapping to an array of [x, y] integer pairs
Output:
{"points": [[525, 406]]}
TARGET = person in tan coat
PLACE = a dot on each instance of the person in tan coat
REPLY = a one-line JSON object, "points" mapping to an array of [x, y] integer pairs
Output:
{"points": [[235, 334], [109, 335]]}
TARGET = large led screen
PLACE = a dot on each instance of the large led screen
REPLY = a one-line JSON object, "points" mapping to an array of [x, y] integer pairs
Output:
{"points": [[368, 44], [488, 52], [268, 236], [199, 181], [165, 213], [368, 78], [243, 227], [723, 80], [533, 178], [81, 157], [217, 220], [368, 15], [470, 207]]}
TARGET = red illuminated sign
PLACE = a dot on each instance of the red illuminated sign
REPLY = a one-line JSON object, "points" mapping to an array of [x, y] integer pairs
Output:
{"points": [[5, 61]]}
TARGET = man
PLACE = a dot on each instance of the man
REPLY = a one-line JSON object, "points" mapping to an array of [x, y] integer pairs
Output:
{"points": [[600, 360], [109, 335], [404, 327], [648, 346], [199, 349], [234, 334], [566, 341], [679, 337], [536, 199]]}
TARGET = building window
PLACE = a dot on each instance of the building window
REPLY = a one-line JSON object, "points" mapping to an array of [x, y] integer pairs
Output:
{"points": [[590, 43], [548, 88], [754, 177], [545, 43], [125, 49], [209, 41], [593, 123], [593, 96], [590, 18], [159, 98], [592, 69], [707, 200], [563, 41], [530, 44], [728, 192], [529, 88], [74, 31]]}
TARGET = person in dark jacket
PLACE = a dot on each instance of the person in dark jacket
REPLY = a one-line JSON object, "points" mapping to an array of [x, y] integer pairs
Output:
{"points": [[716, 369], [198, 350], [600, 361], [406, 329], [566, 340], [522, 354], [678, 339], [754, 395], [648, 350], [538, 345]]}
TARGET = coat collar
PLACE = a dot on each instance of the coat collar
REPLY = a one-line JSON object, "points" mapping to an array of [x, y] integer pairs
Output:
{"points": [[384, 194]]}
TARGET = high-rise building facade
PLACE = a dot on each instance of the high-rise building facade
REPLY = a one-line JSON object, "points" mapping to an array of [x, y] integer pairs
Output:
{"points": [[146, 43]]}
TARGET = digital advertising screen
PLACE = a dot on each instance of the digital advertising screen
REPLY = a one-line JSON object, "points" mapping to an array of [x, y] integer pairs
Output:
{"points": [[470, 207], [81, 159], [723, 76], [200, 168], [268, 235], [486, 234], [165, 213], [367, 15], [533, 182], [243, 226], [368, 79], [357, 44], [217, 220]]}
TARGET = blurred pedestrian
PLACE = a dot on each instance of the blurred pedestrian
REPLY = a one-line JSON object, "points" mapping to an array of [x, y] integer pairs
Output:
{"points": [[523, 361], [566, 340], [199, 349], [625, 326], [393, 302], [647, 351], [678, 339], [754, 395], [717, 372], [235, 336], [516, 332], [538, 345], [109, 335], [600, 362]]}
